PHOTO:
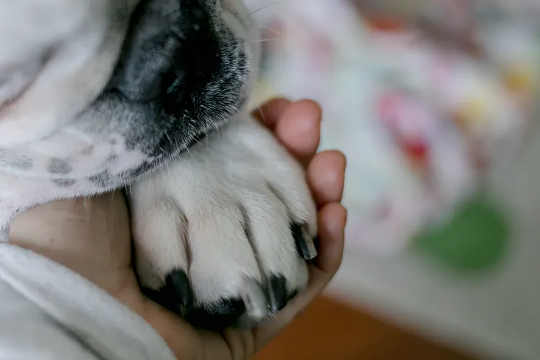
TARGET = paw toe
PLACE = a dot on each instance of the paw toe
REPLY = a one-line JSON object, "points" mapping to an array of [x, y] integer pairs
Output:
{"points": [[255, 303], [277, 293], [177, 284], [176, 295], [217, 316]]}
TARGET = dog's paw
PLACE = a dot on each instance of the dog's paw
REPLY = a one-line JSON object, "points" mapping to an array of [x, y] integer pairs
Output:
{"points": [[222, 234]]}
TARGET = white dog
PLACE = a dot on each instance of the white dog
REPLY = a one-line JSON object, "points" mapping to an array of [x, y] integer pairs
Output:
{"points": [[95, 94]]}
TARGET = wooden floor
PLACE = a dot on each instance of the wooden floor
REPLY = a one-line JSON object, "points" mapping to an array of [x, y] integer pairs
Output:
{"points": [[332, 331]]}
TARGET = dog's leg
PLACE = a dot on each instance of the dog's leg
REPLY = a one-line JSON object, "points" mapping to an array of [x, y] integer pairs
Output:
{"points": [[221, 234]]}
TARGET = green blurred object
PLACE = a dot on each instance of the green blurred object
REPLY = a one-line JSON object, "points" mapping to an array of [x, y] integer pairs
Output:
{"points": [[474, 238]]}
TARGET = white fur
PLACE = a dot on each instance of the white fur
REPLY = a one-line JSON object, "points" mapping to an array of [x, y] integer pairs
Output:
{"points": [[221, 212], [77, 54], [197, 206]]}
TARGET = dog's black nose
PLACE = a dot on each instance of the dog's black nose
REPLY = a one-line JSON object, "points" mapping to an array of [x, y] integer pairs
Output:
{"points": [[146, 73], [169, 50]]}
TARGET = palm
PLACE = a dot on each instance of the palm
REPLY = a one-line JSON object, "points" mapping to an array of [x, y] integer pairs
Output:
{"points": [[92, 237]]}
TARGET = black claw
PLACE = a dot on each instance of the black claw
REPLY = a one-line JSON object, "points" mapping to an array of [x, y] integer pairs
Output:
{"points": [[292, 295], [316, 244], [217, 316], [176, 295], [277, 293], [177, 285], [301, 245], [306, 248]]}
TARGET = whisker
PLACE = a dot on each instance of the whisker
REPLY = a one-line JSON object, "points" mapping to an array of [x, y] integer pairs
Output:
{"points": [[267, 40], [264, 7]]}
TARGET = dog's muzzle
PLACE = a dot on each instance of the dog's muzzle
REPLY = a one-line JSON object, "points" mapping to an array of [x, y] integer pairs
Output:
{"points": [[171, 51]]}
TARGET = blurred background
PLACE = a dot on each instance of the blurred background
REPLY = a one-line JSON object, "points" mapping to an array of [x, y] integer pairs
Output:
{"points": [[435, 104]]}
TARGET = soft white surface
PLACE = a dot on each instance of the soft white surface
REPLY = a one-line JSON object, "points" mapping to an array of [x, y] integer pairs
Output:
{"points": [[48, 312]]}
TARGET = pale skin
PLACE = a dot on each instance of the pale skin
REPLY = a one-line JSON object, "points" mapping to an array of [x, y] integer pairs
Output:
{"points": [[91, 236]]}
